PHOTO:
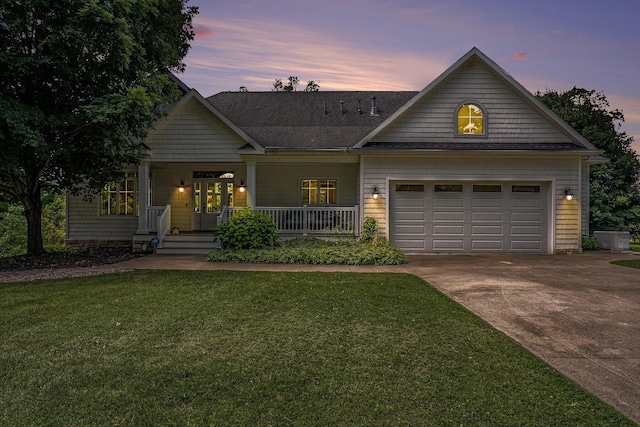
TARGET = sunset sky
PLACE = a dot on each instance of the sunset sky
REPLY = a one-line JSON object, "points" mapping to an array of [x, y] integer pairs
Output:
{"points": [[405, 44]]}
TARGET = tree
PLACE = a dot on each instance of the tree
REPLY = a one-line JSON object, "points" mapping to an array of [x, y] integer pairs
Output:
{"points": [[290, 87], [81, 82], [615, 197], [312, 86]]}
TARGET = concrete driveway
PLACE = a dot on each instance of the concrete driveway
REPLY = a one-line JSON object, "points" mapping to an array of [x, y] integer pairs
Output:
{"points": [[579, 313]]}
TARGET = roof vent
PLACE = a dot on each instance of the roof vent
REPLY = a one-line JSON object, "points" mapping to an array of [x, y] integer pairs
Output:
{"points": [[359, 108], [374, 109], [341, 107], [325, 107]]}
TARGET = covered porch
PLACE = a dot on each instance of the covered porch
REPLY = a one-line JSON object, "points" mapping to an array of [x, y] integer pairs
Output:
{"points": [[291, 222]]}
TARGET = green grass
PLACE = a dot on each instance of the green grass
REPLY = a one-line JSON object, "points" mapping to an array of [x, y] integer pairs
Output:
{"points": [[250, 348], [633, 263], [635, 247]]}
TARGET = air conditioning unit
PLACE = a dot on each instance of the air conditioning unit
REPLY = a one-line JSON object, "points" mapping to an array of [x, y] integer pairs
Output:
{"points": [[614, 240]]}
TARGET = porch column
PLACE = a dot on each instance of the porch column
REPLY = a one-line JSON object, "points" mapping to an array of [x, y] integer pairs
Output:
{"points": [[251, 183], [143, 198]]}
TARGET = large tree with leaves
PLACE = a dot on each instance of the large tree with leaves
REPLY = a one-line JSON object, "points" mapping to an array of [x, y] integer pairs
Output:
{"points": [[615, 197], [81, 81]]}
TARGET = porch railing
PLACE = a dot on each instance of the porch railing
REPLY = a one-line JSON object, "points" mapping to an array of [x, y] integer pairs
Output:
{"points": [[164, 224], [153, 213], [311, 220]]}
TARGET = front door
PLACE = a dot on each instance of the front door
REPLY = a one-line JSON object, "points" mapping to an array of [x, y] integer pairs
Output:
{"points": [[209, 196]]}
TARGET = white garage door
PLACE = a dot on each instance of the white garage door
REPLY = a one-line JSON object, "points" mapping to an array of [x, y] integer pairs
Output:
{"points": [[469, 217]]}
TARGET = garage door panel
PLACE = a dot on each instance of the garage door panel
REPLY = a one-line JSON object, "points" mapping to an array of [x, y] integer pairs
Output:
{"points": [[530, 230], [487, 245], [411, 202], [487, 217], [448, 245], [494, 230], [489, 202], [526, 217], [411, 244], [526, 245], [448, 216], [448, 202], [410, 216], [410, 230], [532, 202], [439, 230]]}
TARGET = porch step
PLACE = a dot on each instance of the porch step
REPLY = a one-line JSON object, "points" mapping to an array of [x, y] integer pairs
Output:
{"points": [[188, 244]]}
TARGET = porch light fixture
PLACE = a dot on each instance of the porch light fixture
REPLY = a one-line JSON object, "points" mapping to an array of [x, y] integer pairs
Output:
{"points": [[568, 194], [375, 193], [242, 188], [181, 187]]}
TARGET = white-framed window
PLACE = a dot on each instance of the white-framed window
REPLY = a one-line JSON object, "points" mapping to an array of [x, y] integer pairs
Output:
{"points": [[471, 119], [120, 198], [319, 191]]}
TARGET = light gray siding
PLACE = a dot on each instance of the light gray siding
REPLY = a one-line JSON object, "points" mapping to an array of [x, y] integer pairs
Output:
{"points": [[279, 184], [84, 222], [193, 134], [509, 119]]}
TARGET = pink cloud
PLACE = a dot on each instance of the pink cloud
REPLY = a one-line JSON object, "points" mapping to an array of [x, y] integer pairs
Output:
{"points": [[521, 56], [201, 31]]}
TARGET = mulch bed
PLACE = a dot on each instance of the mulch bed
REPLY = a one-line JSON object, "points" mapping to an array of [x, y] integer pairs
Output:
{"points": [[92, 257]]}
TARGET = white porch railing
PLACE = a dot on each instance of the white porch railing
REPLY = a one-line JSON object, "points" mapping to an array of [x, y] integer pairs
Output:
{"points": [[153, 213], [310, 220], [164, 224]]}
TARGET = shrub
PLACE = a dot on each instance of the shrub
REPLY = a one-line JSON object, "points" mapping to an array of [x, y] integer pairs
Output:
{"points": [[369, 230], [591, 244], [315, 251], [248, 229]]}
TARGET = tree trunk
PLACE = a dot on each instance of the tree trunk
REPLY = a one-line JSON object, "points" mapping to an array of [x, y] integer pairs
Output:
{"points": [[33, 212]]}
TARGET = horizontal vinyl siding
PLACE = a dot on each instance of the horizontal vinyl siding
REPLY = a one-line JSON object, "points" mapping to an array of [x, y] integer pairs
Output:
{"points": [[193, 133], [279, 184], [559, 171], [508, 117], [84, 222]]}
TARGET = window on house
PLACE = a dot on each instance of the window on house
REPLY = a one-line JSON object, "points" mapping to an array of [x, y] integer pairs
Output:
{"points": [[447, 188], [120, 198], [470, 120], [319, 191]]}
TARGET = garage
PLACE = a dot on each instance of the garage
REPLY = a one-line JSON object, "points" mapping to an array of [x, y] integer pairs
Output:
{"points": [[432, 216]]}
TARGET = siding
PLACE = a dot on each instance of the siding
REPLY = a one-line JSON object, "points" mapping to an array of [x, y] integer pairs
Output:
{"points": [[193, 134], [559, 173], [279, 184], [84, 222], [509, 119]]}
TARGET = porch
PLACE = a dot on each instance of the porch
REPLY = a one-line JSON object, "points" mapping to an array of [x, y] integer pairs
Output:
{"points": [[290, 221]]}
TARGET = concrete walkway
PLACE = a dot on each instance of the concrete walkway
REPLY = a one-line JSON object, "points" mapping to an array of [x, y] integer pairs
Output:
{"points": [[579, 313]]}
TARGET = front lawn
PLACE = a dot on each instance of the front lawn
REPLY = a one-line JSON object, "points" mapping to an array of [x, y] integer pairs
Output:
{"points": [[254, 348]]}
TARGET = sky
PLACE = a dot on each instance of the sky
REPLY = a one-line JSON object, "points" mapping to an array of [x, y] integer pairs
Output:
{"points": [[405, 44]]}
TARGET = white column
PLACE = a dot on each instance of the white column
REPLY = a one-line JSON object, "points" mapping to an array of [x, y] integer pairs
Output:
{"points": [[143, 197], [251, 183]]}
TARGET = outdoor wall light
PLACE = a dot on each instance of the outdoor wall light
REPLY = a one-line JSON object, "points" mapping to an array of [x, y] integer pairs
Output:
{"points": [[242, 188], [568, 194], [181, 187], [375, 193]]}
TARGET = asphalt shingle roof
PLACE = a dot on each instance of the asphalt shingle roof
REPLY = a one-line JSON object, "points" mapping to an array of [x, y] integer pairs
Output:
{"points": [[298, 120]]}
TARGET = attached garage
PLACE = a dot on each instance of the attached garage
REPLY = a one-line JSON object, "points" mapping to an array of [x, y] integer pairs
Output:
{"points": [[433, 216]]}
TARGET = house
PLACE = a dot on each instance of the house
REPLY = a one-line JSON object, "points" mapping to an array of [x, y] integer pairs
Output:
{"points": [[472, 163]]}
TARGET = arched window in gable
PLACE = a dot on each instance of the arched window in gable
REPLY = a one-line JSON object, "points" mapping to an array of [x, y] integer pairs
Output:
{"points": [[471, 119]]}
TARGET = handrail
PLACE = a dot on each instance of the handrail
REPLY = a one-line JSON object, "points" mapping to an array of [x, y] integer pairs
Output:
{"points": [[315, 220], [164, 224], [224, 214]]}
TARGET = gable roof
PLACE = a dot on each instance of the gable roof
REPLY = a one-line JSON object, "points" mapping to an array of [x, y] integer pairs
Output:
{"points": [[194, 94], [308, 120], [575, 141]]}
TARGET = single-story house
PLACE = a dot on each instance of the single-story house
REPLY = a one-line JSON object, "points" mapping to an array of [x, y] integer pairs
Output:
{"points": [[472, 163]]}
